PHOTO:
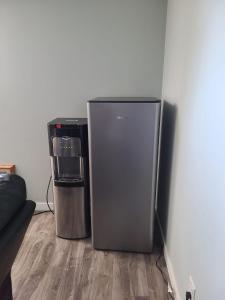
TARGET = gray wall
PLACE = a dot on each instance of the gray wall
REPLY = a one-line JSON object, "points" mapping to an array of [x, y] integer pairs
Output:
{"points": [[54, 55], [194, 81]]}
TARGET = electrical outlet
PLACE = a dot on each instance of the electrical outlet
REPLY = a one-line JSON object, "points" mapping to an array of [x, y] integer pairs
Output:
{"points": [[191, 289]]}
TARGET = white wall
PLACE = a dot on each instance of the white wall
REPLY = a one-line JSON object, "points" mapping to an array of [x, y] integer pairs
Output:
{"points": [[194, 81], [55, 55]]}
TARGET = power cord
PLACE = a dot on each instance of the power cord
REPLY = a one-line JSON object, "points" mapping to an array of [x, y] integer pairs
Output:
{"points": [[41, 212], [46, 198], [169, 295], [50, 179]]}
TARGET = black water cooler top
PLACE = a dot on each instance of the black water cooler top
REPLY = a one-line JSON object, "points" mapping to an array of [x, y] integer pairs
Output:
{"points": [[69, 127]]}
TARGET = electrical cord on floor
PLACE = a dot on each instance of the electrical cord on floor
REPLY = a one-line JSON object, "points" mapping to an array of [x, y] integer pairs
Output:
{"points": [[170, 295], [50, 179], [41, 212], [46, 198]]}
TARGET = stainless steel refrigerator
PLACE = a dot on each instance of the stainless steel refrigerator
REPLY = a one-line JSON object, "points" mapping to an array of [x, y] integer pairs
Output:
{"points": [[123, 153]]}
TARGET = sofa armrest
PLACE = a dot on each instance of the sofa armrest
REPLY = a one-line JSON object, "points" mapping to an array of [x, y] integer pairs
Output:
{"points": [[12, 198], [12, 236]]}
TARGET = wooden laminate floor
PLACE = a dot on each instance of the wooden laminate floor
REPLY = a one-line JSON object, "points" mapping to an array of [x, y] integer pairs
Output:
{"points": [[48, 268]]}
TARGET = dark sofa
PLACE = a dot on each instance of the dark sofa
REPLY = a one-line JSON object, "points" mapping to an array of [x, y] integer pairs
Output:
{"points": [[15, 216]]}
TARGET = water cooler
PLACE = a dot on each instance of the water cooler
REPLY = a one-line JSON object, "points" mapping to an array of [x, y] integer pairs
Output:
{"points": [[68, 146]]}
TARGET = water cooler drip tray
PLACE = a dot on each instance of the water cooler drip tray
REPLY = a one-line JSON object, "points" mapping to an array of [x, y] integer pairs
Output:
{"points": [[69, 182]]}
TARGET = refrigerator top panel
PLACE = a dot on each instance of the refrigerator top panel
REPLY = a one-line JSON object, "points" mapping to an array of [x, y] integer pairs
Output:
{"points": [[125, 99]]}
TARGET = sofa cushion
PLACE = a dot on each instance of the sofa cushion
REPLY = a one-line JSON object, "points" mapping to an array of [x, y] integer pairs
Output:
{"points": [[12, 198]]}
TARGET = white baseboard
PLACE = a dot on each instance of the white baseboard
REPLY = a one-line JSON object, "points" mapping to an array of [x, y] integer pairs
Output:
{"points": [[169, 265], [41, 206]]}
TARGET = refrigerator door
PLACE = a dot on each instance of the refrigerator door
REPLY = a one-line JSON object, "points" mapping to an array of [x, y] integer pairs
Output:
{"points": [[123, 140]]}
